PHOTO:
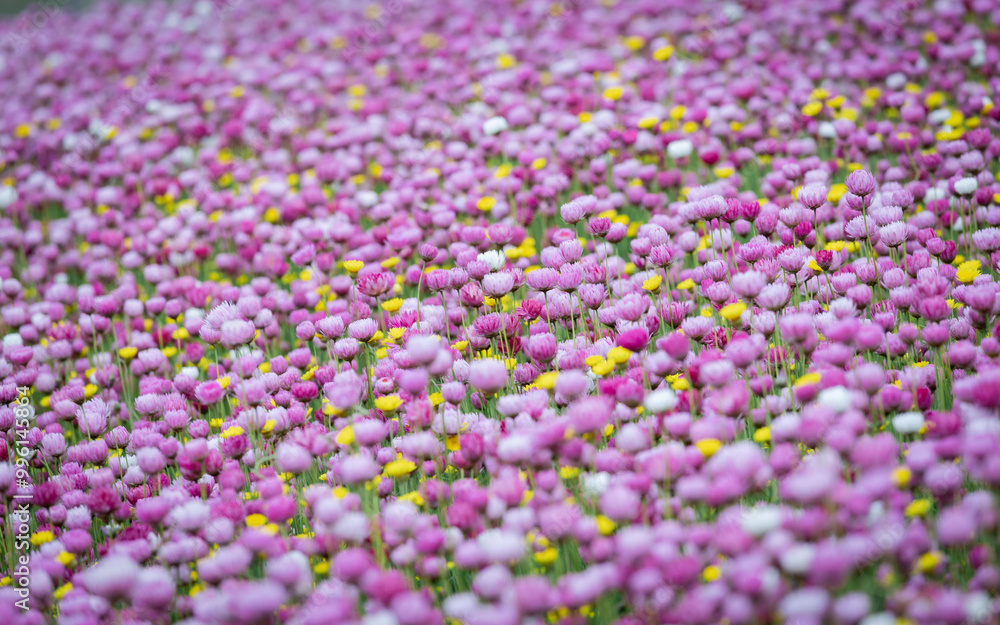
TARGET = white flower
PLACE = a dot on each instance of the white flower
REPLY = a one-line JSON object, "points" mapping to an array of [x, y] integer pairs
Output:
{"points": [[40, 320], [934, 193], [8, 195], [353, 527], [876, 512], [938, 116], [190, 515], [494, 125], [191, 372], [978, 607], [594, 484], [494, 258], [384, 617], [979, 57], [13, 340], [732, 12], [680, 148], [798, 559], [966, 186], [366, 198], [183, 155], [760, 520], [880, 618], [895, 81], [804, 603], [515, 448], [660, 401], [499, 545], [836, 398], [826, 130], [908, 422]]}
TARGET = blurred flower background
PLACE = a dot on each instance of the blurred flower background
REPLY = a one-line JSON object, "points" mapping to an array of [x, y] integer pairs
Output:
{"points": [[412, 313]]}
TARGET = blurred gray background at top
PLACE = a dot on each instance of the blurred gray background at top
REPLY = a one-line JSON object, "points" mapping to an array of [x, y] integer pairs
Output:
{"points": [[13, 7]]}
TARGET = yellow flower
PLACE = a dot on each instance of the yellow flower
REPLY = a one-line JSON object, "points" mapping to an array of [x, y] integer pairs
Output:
{"points": [[812, 109], [619, 355], [539, 163], [231, 431], [547, 380], [390, 262], [345, 437], [664, 53], [686, 285], [732, 312], [322, 568], [453, 443], [928, 562], [807, 380], [680, 384], [569, 473], [605, 525], [436, 399], [268, 426], [613, 93], [652, 284], [399, 468], [901, 476], [485, 203], [128, 353], [256, 520], [89, 390], [918, 507], [506, 61], [603, 368], [547, 557], [711, 573], [389, 403], [397, 333], [837, 191], [392, 305], [413, 497], [634, 42], [709, 446], [460, 345], [968, 271], [40, 538], [762, 435], [61, 592], [65, 558], [815, 266], [353, 266]]}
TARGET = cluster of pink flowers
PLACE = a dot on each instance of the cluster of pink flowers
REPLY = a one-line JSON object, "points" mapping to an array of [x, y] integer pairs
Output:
{"points": [[479, 313]]}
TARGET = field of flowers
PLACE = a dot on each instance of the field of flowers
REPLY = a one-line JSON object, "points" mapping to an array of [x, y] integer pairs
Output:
{"points": [[486, 313]]}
